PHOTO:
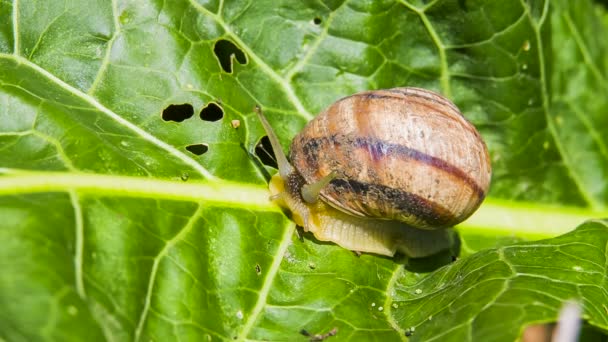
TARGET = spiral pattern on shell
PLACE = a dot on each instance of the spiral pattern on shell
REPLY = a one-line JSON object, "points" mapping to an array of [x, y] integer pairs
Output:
{"points": [[403, 154]]}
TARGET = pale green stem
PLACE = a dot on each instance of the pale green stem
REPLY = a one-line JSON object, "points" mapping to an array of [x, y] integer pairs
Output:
{"points": [[495, 217]]}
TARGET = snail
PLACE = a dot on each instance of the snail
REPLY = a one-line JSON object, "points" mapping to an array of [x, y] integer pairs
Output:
{"points": [[383, 171]]}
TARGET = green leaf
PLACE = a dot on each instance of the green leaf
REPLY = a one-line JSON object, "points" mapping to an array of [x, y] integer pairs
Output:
{"points": [[114, 227]]}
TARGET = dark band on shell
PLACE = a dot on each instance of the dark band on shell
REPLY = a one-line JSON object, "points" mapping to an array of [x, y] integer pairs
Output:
{"points": [[379, 149], [377, 199]]}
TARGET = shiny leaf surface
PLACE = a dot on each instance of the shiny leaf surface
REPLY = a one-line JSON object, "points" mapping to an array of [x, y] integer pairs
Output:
{"points": [[133, 189]]}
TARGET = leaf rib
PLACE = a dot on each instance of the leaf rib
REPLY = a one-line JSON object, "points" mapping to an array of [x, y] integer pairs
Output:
{"points": [[42, 34], [605, 279], [16, 41], [397, 272], [444, 76], [291, 95], [593, 132], [494, 217], [58, 147], [545, 104], [311, 51], [584, 50], [79, 245], [268, 282], [227, 193], [152, 280], [490, 39], [106, 58]]}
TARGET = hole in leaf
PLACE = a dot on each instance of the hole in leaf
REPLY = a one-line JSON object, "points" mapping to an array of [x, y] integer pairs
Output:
{"points": [[178, 112], [317, 21], [225, 50], [198, 149], [212, 112], [463, 5], [264, 151]]}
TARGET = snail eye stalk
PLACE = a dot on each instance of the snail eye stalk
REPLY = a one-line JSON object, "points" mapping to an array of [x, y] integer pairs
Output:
{"points": [[310, 192], [285, 169]]}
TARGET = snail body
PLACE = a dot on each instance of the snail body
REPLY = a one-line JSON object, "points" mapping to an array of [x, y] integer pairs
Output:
{"points": [[384, 171]]}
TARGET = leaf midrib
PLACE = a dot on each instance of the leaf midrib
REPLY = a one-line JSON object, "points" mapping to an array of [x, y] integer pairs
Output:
{"points": [[233, 194], [496, 217]]}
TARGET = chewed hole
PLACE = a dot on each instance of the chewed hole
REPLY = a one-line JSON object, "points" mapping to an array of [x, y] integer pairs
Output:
{"points": [[317, 21], [264, 151], [178, 112], [212, 112], [225, 50], [198, 149]]}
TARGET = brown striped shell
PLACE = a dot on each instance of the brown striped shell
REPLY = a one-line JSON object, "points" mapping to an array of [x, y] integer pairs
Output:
{"points": [[402, 154]]}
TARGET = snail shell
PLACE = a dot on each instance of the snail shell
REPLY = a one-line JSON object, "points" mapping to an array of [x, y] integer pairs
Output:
{"points": [[405, 154], [385, 164]]}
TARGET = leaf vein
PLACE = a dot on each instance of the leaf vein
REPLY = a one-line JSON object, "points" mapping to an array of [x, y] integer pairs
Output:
{"points": [[289, 91], [106, 58], [597, 137], [315, 45], [15, 18], [390, 288], [585, 51], [443, 60], [79, 245], [42, 34], [545, 105], [152, 280], [268, 280]]}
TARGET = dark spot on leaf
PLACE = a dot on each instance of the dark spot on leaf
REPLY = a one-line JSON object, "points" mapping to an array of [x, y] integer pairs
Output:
{"points": [[462, 51], [198, 149], [101, 36], [212, 112], [319, 337], [300, 233], [258, 269], [225, 50], [317, 21], [185, 176], [264, 151], [408, 333], [463, 5], [603, 3], [178, 112]]}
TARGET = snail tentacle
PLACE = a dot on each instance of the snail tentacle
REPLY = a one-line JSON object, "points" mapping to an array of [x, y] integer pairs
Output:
{"points": [[310, 192], [285, 169]]}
